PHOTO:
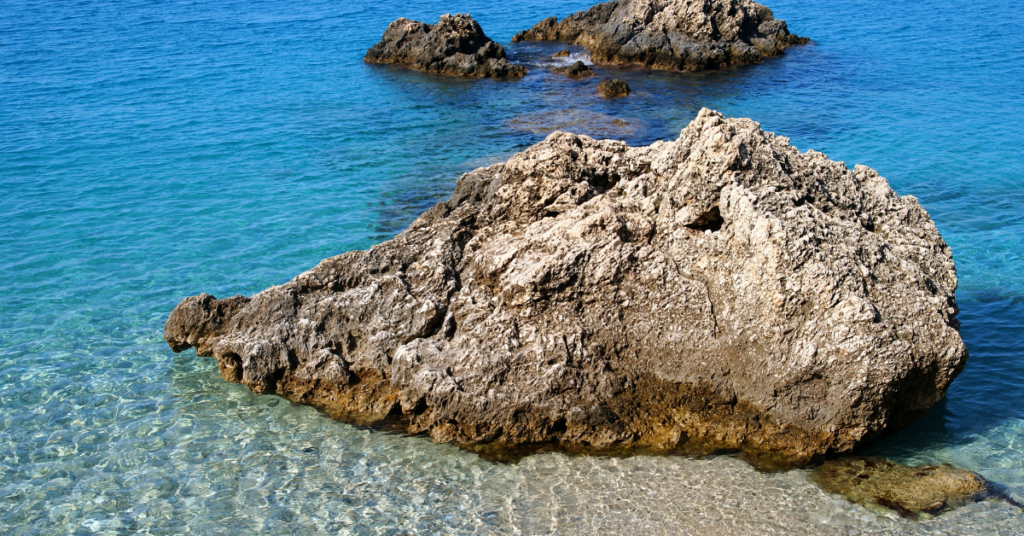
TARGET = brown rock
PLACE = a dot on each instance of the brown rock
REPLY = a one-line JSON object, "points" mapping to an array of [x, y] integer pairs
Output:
{"points": [[916, 492], [561, 54], [613, 88], [575, 70], [720, 291], [687, 35], [456, 45]]}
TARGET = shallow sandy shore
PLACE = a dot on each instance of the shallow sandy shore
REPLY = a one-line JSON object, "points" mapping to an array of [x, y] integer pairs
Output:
{"points": [[716, 496]]}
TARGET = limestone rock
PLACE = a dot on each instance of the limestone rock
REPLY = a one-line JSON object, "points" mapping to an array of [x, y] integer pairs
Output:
{"points": [[575, 70], [722, 291], [916, 492], [688, 35], [613, 88], [456, 45]]}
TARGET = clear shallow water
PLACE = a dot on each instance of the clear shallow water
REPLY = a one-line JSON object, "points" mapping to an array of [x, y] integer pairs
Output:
{"points": [[153, 150]]}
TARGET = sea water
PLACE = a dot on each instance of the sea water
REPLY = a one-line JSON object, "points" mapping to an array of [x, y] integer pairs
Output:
{"points": [[151, 150]]}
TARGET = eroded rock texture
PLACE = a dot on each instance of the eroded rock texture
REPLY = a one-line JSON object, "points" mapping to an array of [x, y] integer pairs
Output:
{"points": [[456, 45], [723, 290], [688, 35]]}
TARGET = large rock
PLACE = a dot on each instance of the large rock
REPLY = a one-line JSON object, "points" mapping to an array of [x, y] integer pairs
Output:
{"points": [[720, 291], [456, 45], [688, 35]]}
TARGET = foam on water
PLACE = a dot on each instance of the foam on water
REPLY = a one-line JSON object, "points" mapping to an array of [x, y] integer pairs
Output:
{"points": [[153, 150]]}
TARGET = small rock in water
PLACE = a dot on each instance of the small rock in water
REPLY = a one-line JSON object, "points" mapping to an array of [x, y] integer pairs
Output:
{"points": [[916, 492], [613, 88], [561, 54], [456, 45], [576, 70]]}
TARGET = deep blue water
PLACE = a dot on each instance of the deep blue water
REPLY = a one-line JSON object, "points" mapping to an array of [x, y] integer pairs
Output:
{"points": [[151, 150]]}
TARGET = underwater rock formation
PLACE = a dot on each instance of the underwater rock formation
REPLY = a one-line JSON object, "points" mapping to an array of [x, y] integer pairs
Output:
{"points": [[686, 35], [456, 46], [613, 88], [722, 291], [584, 122], [921, 491]]}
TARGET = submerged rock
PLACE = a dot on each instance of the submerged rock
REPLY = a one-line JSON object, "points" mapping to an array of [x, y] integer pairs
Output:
{"points": [[456, 45], [577, 121], [575, 70], [688, 35], [613, 88], [723, 291], [916, 492]]}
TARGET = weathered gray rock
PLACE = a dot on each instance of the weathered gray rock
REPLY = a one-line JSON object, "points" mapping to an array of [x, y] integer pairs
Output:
{"points": [[456, 45], [720, 291], [688, 35], [613, 88]]}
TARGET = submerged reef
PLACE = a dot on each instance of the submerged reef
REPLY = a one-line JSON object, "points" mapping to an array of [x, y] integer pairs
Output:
{"points": [[722, 291], [456, 46], [685, 35], [914, 492]]}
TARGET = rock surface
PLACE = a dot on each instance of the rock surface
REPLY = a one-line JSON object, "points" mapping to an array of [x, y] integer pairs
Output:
{"points": [[915, 492], [723, 291], [456, 45], [613, 88], [688, 35], [575, 70]]}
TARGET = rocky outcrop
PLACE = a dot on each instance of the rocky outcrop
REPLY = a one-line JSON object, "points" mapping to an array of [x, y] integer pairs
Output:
{"points": [[456, 45], [723, 291], [575, 70], [687, 35], [915, 492], [613, 88]]}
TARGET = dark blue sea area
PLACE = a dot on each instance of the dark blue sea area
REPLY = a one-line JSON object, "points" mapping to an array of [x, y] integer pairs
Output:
{"points": [[151, 150]]}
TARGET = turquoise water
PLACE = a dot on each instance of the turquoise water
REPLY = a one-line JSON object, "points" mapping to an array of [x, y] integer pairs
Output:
{"points": [[153, 150]]}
